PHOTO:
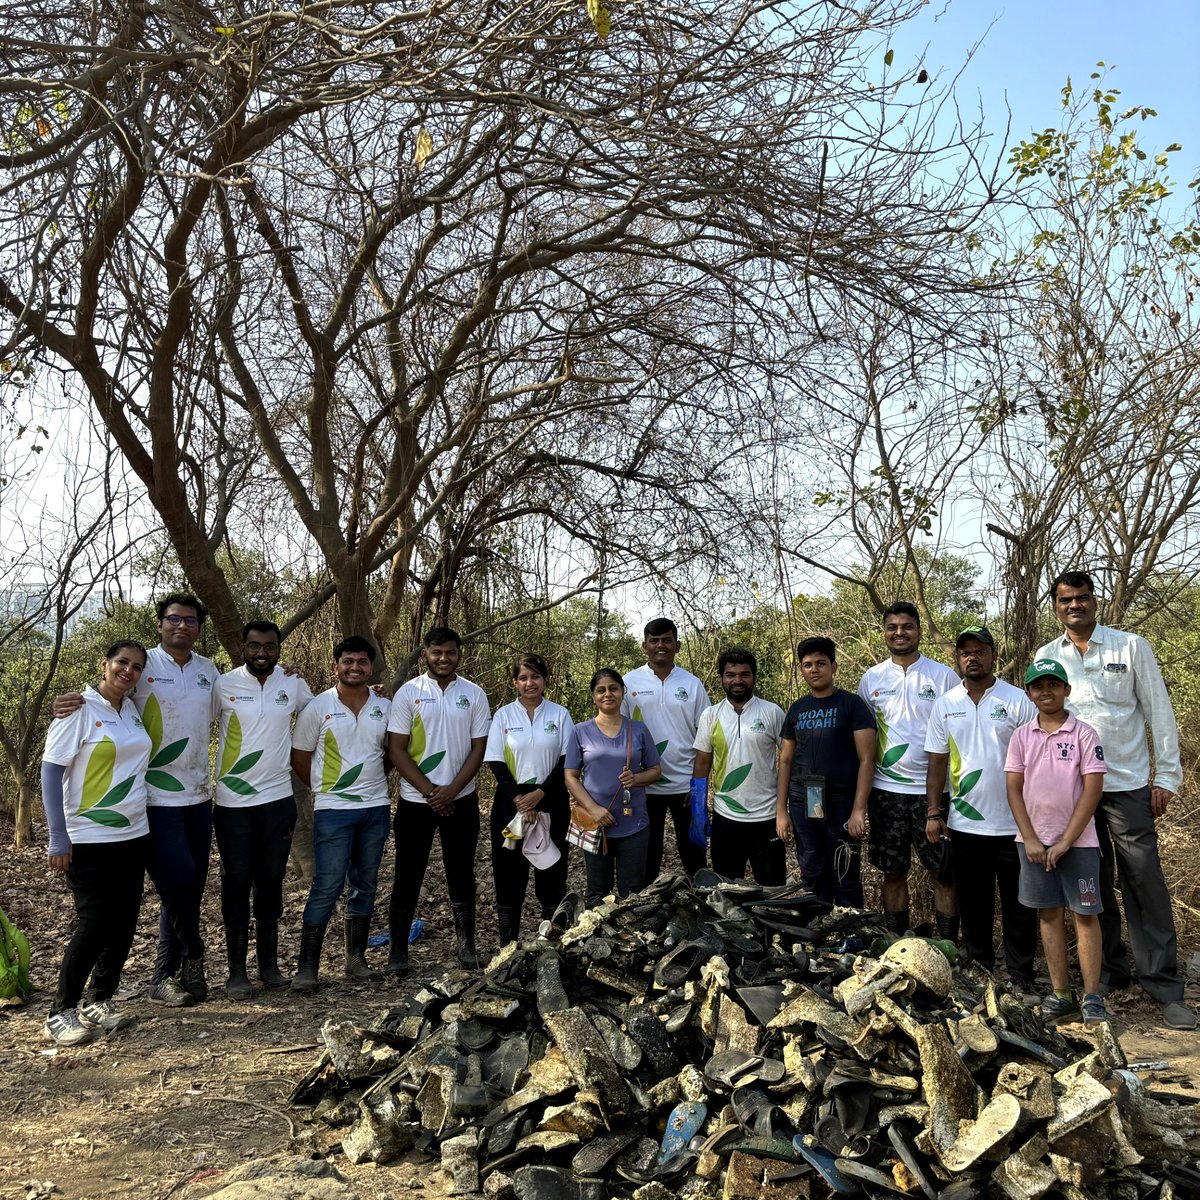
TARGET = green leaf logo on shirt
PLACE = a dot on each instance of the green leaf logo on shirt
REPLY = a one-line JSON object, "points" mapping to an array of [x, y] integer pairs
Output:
{"points": [[886, 757], [416, 748], [725, 781], [153, 722], [961, 784], [333, 781], [98, 795], [510, 761], [233, 766]]}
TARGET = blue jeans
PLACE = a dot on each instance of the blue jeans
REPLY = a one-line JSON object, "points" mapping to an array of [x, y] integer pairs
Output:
{"points": [[347, 847]]}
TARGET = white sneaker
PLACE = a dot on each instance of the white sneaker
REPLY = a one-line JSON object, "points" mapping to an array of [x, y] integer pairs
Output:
{"points": [[101, 1014], [66, 1029]]}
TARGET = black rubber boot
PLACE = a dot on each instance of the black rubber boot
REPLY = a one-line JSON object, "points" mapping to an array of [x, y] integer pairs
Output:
{"points": [[238, 985], [509, 920], [309, 966], [191, 975], [947, 925], [267, 937], [464, 936], [357, 929], [896, 922], [399, 925]]}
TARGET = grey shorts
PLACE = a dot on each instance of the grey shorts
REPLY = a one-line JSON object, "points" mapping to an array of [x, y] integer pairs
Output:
{"points": [[1074, 883]]}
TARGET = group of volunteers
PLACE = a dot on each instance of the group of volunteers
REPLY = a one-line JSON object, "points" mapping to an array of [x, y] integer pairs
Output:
{"points": [[1042, 795]]}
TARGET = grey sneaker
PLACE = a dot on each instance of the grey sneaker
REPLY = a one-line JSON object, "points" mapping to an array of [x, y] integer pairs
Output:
{"points": [[172, 993], [1054, 1009], [101, 1014], [66, 1029], [1093, 1009], [1177, 1015]]}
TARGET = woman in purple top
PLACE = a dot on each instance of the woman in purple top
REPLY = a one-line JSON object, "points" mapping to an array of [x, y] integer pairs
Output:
{"points": [[613, 793]]}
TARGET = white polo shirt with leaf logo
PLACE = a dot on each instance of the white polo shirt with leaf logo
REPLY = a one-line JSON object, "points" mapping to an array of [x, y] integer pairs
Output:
{"points": [[670, 708], [744, 746], [902, 701], [105, 751], [441, 724], [176, 703], [254, 763], [529, 746], [976, 738], [348, 768]]}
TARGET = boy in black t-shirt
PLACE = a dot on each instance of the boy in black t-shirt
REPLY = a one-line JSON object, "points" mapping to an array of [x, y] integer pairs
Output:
{"points": [[826, 766]]}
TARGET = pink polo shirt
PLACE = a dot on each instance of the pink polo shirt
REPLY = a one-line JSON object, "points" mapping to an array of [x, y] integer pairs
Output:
{"points": [[1054, 765]]}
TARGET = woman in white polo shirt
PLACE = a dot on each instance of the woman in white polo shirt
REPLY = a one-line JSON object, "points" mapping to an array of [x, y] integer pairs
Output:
{"points": [[94, 794], [527, 741]]}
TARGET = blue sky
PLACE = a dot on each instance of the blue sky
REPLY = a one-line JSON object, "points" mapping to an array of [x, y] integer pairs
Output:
{"points": [[1032, 46]]}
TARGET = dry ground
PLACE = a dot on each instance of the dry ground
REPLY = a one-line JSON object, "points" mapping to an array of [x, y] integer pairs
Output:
{"points": [[165, 1106]]}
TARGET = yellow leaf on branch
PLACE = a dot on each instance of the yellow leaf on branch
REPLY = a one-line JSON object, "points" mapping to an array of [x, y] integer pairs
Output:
{"points": [[424, 147], [600, 16]]}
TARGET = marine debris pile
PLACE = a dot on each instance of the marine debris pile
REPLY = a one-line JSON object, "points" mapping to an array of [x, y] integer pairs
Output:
{"points": [[712, 1040]]}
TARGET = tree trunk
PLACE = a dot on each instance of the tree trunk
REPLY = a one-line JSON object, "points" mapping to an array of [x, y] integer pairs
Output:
{"points": [[24, 811]]}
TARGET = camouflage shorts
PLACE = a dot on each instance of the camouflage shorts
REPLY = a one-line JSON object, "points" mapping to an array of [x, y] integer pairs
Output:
{"points": [[897, 828]]}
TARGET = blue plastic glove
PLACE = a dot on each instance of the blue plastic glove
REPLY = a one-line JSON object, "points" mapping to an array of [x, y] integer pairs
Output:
{"points": [[701, 825]]}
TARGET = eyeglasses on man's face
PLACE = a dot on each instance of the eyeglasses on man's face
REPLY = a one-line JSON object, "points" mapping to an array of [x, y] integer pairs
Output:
{"points": [[174, 619]]}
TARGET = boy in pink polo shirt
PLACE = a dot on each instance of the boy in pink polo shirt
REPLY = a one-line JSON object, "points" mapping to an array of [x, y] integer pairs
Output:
{"points": [[1055, 773]]}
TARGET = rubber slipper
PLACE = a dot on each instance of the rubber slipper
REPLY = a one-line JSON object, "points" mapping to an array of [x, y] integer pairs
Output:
{"points": [[852, 1103], [551, 995], [718, 1139], [593, 1158], [900, 1135], [685, 960], [735, 1069], [755, 1111], [682, 1125], [625, 1051], [825, 1165], [861, 1172], [779, 1148]]}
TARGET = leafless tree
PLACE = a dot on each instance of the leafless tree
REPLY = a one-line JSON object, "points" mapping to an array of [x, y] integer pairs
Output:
{"points": [[387, 280]]}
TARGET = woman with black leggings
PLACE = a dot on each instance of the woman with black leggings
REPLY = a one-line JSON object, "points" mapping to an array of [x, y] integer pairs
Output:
{"points": [[94, 794]]}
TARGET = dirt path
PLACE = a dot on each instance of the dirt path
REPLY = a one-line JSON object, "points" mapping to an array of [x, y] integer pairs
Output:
{"points": [[184, 1095]]}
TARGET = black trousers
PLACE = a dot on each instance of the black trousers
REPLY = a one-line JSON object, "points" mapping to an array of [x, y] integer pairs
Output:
{"points": [[984, 864], [414, 826], [180, 844], [510, 868], [254, 844], [106, 880], [736, 844], [680, 808], [624, 865], [1129, 843]]}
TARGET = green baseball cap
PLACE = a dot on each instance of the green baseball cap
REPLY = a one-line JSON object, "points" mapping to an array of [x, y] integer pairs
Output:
{"points": [[981, 633], [1046, 668]]}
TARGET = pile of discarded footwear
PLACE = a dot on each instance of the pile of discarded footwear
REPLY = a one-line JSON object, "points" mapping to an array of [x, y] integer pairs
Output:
{"points": [[711, 1040]]}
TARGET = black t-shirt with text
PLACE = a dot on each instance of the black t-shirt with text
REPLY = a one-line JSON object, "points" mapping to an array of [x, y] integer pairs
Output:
{"points": [[823, 729]]}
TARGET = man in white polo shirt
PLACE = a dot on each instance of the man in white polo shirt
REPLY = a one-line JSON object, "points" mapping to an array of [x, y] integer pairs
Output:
{"points": [[339, 751], [1118, 689], [436, 739], [967, 743], [669, 701], [255, 810], [737, 744], [901, 691]]}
